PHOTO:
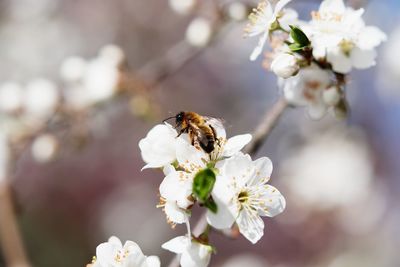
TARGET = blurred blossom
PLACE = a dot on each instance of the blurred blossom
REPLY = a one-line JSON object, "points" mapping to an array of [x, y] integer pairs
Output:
{"points": [[331, 169], [199, 32], [10, 97], [182, 6], [44, 148], [245, 260], [72, 69], [237, 11], [41, 98], [4, 155], [96, 80]]}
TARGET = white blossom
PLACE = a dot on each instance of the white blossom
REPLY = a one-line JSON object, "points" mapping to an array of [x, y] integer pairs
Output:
{"points": [[332, 169], [11, 97], [41, 98], [73, 69], [242, 194], [264, 18], [339, 33], [193, 253], [158, 147], [114, 254], [307, 89], [182, 6], [237, 11], [175, 192], [285, 65], [44, 148], [199, 32]]}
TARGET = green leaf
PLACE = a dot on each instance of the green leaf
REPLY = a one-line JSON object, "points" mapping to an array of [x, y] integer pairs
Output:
{"points": [[211, 205], [299, 36], [203, 184], [296, 47]]}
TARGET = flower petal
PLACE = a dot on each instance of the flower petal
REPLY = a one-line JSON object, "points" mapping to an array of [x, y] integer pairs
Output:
{"points": [[258, 49], [279, 6], [152, 261], [263, 170], [189, 157], [363, 59], [174, 213], [237, 169], [197, 255], [340, 62], [274, 201], [177, 245], [317, 110], [370, 37], [235, 144], [158, 147], [250, 225], [332, 6]]}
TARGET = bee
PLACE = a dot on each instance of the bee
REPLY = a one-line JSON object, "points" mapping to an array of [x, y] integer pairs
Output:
{"points": [[199, 128]]}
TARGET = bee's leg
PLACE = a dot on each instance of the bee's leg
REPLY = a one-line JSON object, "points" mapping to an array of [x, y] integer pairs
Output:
{"points": [[184, 130]]}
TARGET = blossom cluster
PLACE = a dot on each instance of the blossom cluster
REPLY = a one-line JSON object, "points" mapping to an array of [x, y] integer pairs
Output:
{"points": [[312, 58], [30, 108], [228, 184]]}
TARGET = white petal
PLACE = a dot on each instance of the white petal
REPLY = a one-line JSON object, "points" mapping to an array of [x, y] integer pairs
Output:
{"points": [[370, 37], [177, 245], [115, 241], [317, 110], [340, 62], [158, 147], [225, 216], [238, 169], [290, 17], [258, 50], [152, 261], [332, 6], [197, 255], [235, 144], [177, 186], [174, 213], [279, 6], [189, 157], [105, 253], [274, 201], [363, 59], [250, 225], [263, 171], [135, 255]]}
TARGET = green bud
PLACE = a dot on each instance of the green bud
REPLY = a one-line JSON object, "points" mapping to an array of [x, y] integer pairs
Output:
{"points": [[203, 184]]}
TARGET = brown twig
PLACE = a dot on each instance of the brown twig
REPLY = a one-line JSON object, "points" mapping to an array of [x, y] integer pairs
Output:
{"points": [[10, 238]]}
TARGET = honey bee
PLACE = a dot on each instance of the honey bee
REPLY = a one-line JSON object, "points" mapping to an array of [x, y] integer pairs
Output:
{"points": [[199, 128]]}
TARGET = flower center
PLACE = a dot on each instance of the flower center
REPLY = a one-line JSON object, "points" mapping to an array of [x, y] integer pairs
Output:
{"points": [[243, 196]]}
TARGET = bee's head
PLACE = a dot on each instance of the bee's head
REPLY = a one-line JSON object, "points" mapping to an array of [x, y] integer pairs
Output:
{"points": [[179, 118]]}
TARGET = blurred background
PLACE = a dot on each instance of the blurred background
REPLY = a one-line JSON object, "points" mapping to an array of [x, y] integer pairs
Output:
{"points": [[81, 82]]}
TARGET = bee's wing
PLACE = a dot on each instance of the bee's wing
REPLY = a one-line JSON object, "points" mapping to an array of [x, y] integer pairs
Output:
{"points": [[217, 124]]}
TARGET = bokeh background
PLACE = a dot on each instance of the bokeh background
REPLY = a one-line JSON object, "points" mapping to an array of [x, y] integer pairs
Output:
{"points": [[341, 178]]}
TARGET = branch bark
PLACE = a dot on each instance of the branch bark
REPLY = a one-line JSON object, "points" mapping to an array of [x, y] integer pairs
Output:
{"points": [[10, 237]]}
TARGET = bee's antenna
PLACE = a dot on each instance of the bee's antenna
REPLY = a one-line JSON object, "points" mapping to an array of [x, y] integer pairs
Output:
{"points": [[168, 118]]}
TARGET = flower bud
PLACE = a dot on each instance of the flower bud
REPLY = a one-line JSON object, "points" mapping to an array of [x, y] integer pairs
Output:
{"points": [[285, 65], [331, 96]]}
